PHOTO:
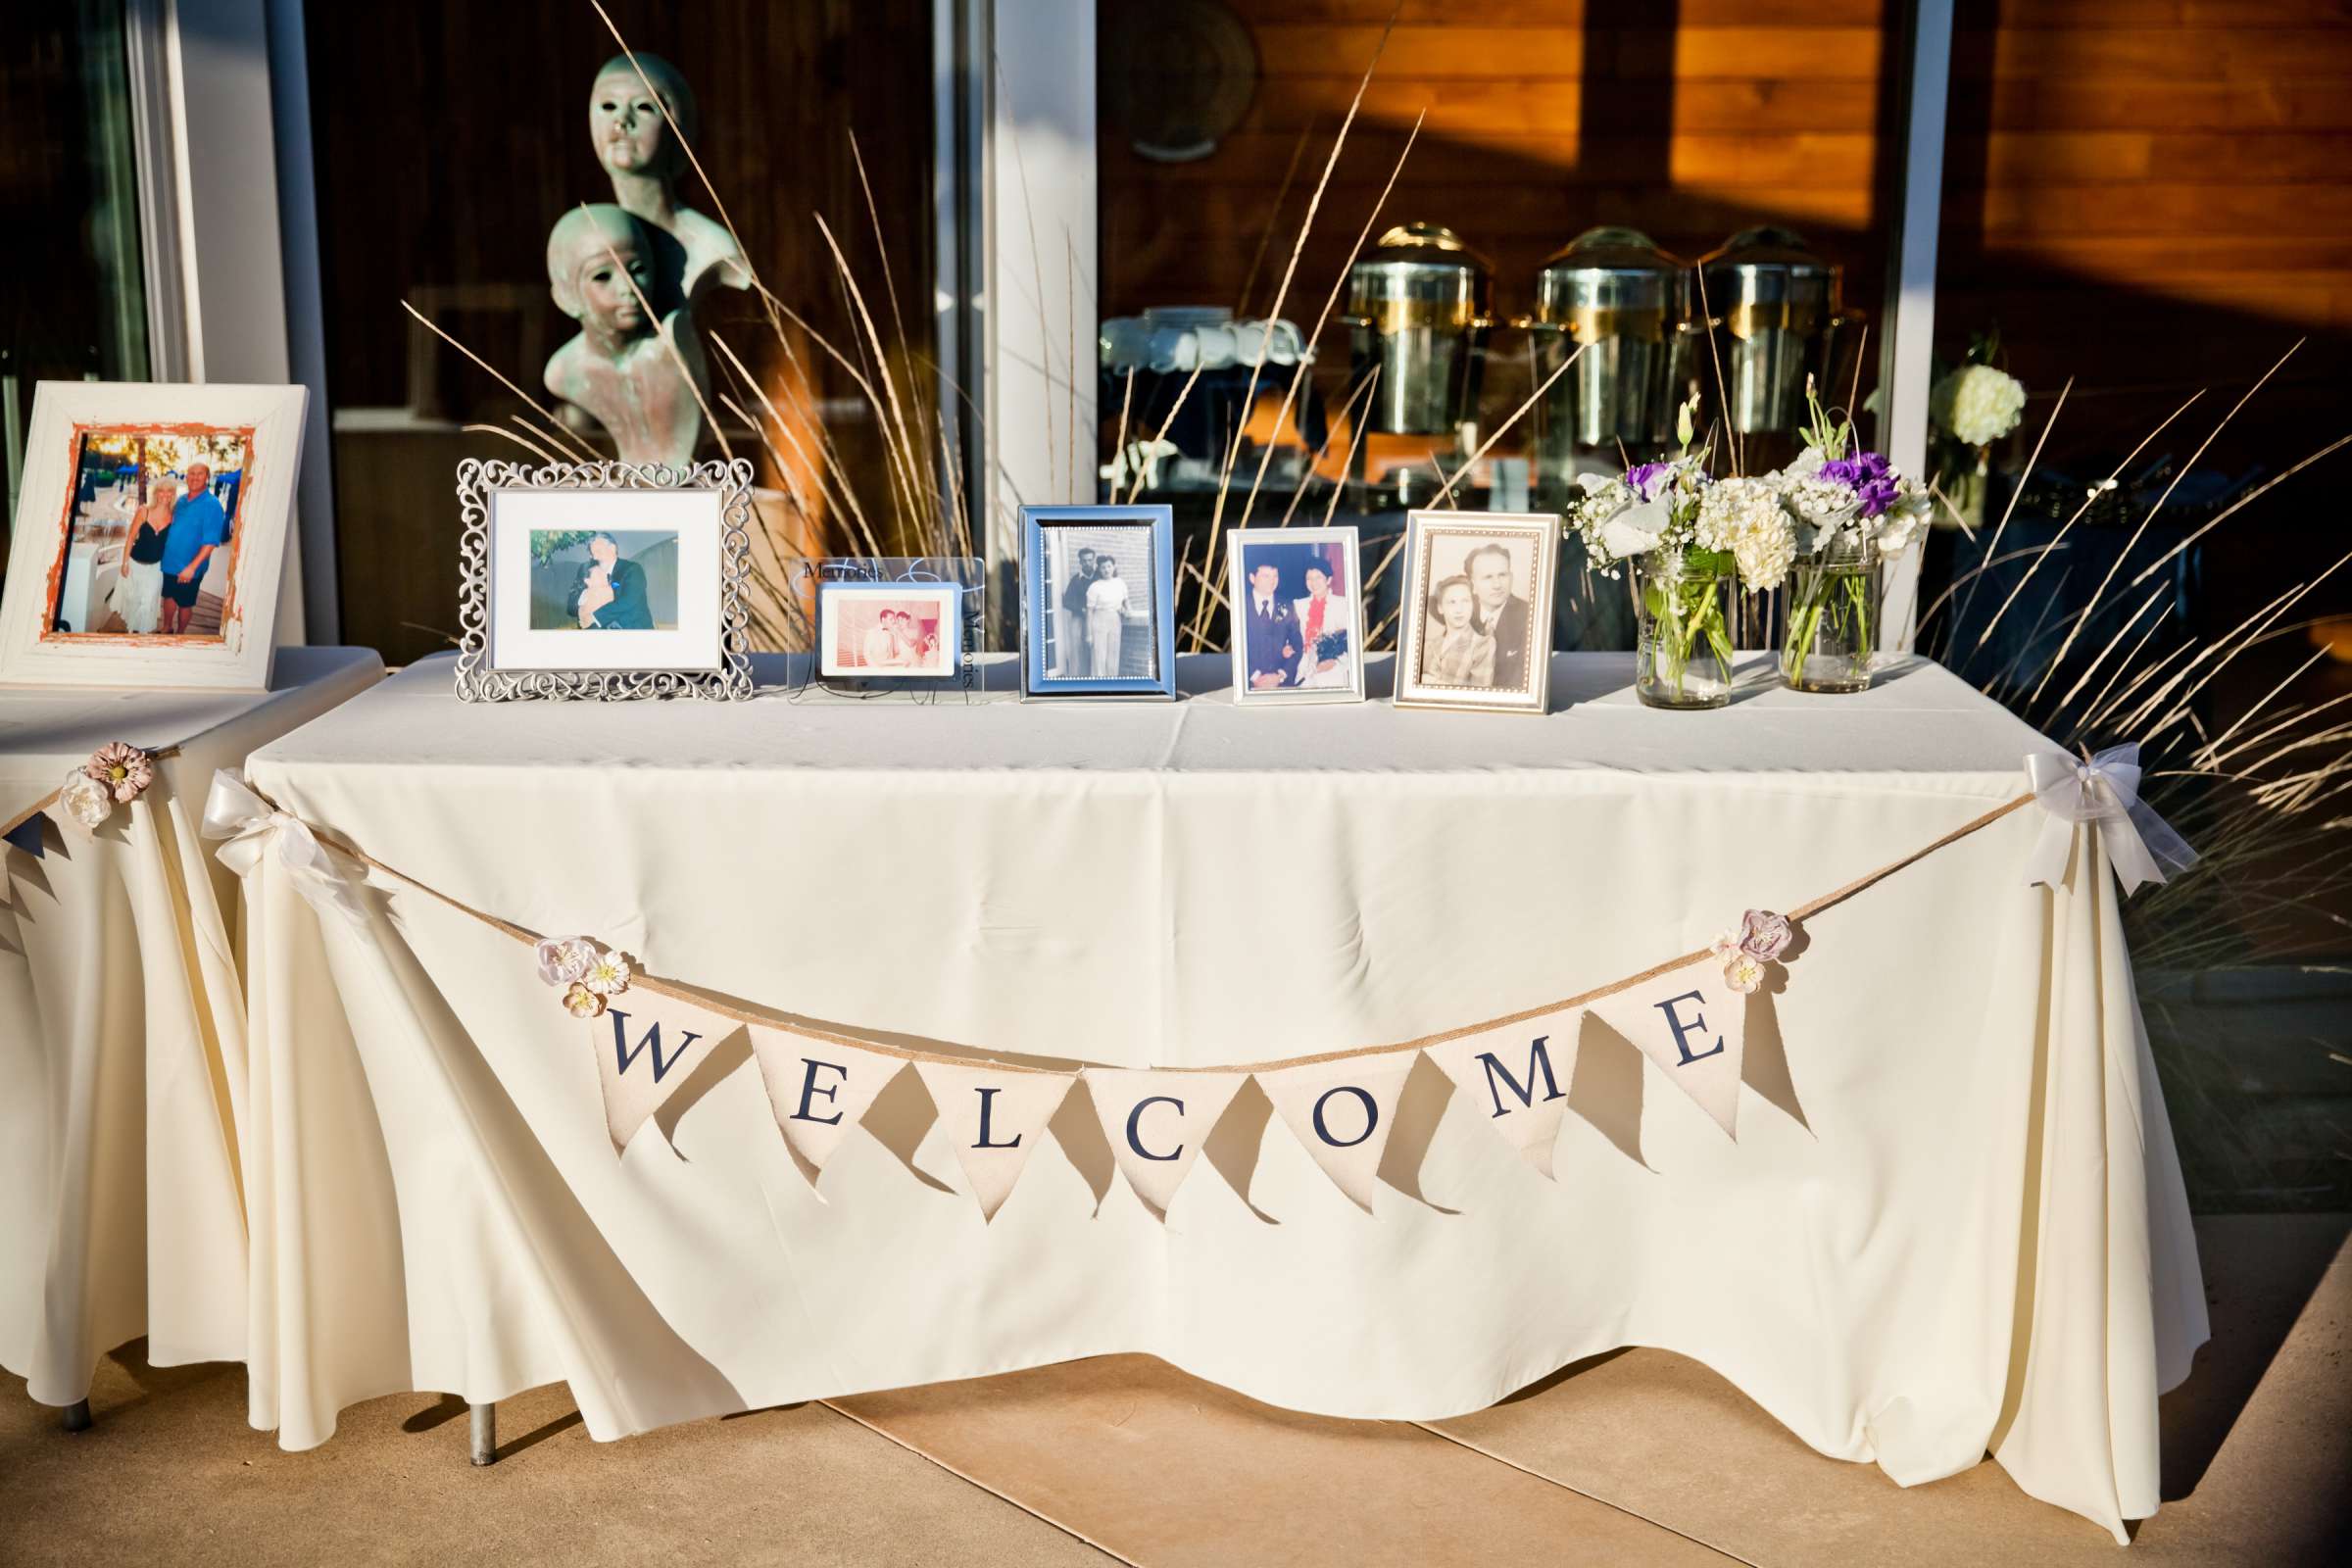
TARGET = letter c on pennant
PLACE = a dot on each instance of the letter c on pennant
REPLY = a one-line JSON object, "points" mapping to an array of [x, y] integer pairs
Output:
{"points": [[1135, 1137], [1371, 1115]]}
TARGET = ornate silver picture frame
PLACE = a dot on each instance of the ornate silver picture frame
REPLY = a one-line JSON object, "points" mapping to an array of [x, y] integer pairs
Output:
{"points": [[610, 581]]}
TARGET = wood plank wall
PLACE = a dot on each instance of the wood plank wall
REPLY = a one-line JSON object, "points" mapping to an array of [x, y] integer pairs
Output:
{"points": [[1688, 119], [2146, 194], [2152, 196]]}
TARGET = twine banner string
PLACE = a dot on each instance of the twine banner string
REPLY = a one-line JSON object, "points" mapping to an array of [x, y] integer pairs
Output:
{"points": [[1796, 916]]}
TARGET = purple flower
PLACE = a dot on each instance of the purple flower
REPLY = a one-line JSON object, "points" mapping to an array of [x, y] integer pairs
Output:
{"points": [[1869, 475], [1643, 477], [1764, 935]]}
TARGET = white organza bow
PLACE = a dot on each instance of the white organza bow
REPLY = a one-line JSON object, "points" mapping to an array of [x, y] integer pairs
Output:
{"points": [[250, 824], [2104, 792]]}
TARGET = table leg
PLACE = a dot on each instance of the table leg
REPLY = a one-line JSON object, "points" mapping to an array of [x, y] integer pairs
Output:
{"points": [[76, 1416], [482, 1420]]}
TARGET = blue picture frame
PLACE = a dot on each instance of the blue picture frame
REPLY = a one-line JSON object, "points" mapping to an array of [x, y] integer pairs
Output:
{"points": [[1040, 629]]}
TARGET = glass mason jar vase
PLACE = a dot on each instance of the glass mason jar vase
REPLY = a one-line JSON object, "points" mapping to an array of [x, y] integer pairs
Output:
{"points": [[1832, 628], [1683, 651]]}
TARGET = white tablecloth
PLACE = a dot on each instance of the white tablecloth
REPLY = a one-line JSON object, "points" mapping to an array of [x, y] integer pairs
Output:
{"points": [[1952, 1221], [122, 1031]]}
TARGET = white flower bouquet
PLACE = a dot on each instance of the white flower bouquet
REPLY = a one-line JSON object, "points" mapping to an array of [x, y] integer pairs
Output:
{"points": [[1658, 517], [1850, 511]]}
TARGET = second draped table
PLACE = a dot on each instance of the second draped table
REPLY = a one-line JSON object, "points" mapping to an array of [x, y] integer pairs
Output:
{"points": [[1952, 1221], [123, 1030]]}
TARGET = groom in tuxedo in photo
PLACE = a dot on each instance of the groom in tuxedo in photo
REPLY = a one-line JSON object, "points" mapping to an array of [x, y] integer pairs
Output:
{"points": [[1501, 613], [1270, 630], [609, 594]]}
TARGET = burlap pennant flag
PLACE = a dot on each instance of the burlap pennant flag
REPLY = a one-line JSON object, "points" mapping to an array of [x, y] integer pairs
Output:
{"points": [[995, 1117], [1517, 1079], [646, 1045], [1342, 1113], [1691, 1023], [819, 1089], [1157, 1124]]}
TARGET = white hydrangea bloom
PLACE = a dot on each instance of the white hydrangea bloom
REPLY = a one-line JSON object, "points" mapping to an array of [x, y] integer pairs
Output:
{"points": [[1978, 403], [1898, 525], [1745, 517]]}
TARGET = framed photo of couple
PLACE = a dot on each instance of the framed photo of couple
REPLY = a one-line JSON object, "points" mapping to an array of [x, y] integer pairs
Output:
{"points": [[1477, 613], [888, 630], [150, 535], [1097, 601], [603, 580], [1295, 597]]}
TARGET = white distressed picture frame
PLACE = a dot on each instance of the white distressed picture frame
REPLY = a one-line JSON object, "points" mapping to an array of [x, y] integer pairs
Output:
{"points": [[238, 658]]}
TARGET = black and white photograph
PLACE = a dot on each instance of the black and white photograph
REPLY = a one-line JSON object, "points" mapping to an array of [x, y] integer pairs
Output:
{"points": [[1477, 617], [1099, 596], [1294, 596]]}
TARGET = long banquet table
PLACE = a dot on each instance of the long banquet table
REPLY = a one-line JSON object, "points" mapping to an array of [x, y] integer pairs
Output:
{"points": [[123, 1030], [1952, 1221]]}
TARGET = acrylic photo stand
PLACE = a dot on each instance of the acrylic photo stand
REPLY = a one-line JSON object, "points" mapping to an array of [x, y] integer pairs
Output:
{"points": [[835, 588]]}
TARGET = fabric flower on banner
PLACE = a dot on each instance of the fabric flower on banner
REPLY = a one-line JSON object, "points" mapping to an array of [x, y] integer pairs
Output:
{"points": [[86, 800], [1762, 938], [564, 959], [608, 975], [582, 1002], [122, 768], [1764, 935]]}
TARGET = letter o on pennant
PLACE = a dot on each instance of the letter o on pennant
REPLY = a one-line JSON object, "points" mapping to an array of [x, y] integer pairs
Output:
{"points": [[1371, 1115]]}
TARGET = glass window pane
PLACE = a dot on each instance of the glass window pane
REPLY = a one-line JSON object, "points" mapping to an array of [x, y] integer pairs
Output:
{"points": [[450, 137], [74, 296]]}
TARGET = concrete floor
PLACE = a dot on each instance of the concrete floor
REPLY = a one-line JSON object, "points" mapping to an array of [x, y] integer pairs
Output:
{"points": [[1125, 1459]]}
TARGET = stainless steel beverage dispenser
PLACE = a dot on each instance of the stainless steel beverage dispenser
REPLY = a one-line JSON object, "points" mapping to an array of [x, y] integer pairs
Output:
{"points": [[1418, 310], [1623, 300], [1777, 318]]}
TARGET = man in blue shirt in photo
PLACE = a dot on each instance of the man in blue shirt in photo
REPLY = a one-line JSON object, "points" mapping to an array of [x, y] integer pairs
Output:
{"points": [[199, 526]]}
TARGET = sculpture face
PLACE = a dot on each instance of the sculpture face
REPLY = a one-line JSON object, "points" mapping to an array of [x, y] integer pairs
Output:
{"points": [[631, 136], [606, 301]]}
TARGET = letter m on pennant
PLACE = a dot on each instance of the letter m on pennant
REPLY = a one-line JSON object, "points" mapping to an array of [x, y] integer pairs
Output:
{"points": [[624, 1054]]}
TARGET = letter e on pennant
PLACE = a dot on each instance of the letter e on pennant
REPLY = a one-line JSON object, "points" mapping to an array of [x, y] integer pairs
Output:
{"points": [[819, 1089], [1691, 1025]]}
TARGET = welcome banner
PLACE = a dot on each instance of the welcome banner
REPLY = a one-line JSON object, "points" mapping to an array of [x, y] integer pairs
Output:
{"points": [[1687, 1016]]}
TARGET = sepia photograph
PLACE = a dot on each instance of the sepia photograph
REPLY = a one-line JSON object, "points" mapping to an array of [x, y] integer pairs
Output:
{"points": [[891, 630], [1294, 594], [151, 533], [1100, 593], [1477, 618]]}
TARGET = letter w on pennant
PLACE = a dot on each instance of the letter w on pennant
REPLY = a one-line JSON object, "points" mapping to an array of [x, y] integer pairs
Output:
{"points": [[660, 1034]]}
